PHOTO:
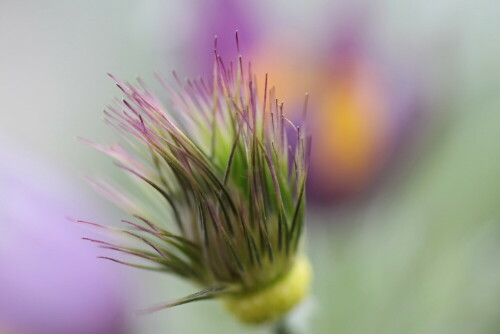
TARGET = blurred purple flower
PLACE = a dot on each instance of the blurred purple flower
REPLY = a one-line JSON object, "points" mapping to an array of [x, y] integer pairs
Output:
{"points": [[50, 282], [364, 117]]}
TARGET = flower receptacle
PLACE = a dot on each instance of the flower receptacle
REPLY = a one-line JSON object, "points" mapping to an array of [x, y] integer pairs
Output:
{"points": [[273, 301]]}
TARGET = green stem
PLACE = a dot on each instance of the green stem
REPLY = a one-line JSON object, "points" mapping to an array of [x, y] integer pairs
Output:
{"points": [[282, 327]]}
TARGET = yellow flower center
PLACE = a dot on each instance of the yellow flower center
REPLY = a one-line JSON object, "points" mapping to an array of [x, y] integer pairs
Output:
{"points": [[273, 301]]}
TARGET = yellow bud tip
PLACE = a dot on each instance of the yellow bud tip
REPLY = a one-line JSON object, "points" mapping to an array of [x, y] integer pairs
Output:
{"points": [[273, 301]]}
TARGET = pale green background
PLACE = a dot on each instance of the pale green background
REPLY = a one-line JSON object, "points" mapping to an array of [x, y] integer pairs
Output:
{"points": [[423, 257]]}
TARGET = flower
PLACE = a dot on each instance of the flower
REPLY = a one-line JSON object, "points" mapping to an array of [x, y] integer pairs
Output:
{"points": [[233, 186], [50, 283]]}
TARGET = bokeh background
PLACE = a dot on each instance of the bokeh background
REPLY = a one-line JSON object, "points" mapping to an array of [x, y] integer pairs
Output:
{"points": [[404, 193]]}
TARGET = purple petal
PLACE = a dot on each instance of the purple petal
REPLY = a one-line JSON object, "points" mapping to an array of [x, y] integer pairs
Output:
{"points": [[50, 281]]}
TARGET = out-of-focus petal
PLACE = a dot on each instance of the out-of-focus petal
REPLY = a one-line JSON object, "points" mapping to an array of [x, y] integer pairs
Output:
{"points": [[221, 18], [51, 282]]}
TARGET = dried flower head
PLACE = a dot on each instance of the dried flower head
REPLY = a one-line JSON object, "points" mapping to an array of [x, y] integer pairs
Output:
{"points": [[231, 183]]}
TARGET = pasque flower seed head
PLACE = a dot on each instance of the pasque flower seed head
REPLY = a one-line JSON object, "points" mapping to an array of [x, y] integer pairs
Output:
{"points": [[233, 187]]}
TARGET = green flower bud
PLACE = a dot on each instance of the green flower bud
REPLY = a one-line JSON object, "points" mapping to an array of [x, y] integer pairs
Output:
{"points": [[225, 198]]}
